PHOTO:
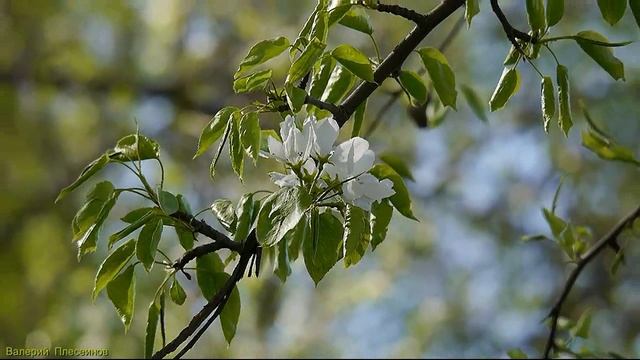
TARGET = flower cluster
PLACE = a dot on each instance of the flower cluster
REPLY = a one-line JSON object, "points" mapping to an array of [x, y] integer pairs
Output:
{"points": [[311, 159]]}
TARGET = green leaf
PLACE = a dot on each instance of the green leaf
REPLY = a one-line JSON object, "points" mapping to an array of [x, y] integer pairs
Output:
{"points": [[321, 76], [148, 243], [88, 220], [512, 56], [338, 11], [135, 147], [517, 353], [264, 135], [303, 64], [323, 253], [358, 118], [295, 238], [236, 152], [472, 8], [398, 165], [295, 97], [612, 10], [320, 28], [536, 15], [88, 243], [606, 149], [245, 217], [354, 61], [251, 82], [555, 11], [223, 210], [548, 102], [413, 84], [564, 120], [443, 78], [280, 212], [90, 170], [225, 137], [250, 134], [635, 9], [133, 215], [477, 105], [582, 327], [357, 234], [214, 130], [381, 213], [400, 199], [358, 20], [339, 84], [508, 85], [601, 54], [168, 202], [122, 293], [211, 280], [283, 269], [112, 265], [177, 293], [131, 228], [261, 52], [152, 325]]}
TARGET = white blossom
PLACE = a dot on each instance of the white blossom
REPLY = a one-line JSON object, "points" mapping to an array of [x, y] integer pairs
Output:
{"points": [[366, 189], [349, 159], [296, 144], [326, 133]]}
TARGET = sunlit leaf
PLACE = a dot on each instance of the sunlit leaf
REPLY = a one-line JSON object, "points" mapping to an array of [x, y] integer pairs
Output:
{"points": [[261, 52], [612, 10], [148, 243], [472, 8], [122, 293], [474, 101], [135, 147], [564, 120], [214, 129], [279, 213], [252, 82], [601, 54], [548, 102], [225, 212], [555, 11], [354, 60], [303, 64], [413, 84], [250, 134], [357, 234], [400, 199], [536, 15], [358, 20], [86, 173], [321, 248], [508, 85], [112, 265], [177, 293], [441, 75]]}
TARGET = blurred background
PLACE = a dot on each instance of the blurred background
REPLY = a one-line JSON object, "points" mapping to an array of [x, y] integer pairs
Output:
{"points": [[76, 75]]}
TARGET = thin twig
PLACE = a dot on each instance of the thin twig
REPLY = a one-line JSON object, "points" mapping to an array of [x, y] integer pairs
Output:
{"points": [[401, 11], [205, 229], [602, 244], [512, 33]]}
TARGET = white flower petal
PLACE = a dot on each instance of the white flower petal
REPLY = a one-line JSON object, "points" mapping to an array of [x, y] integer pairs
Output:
{"points": [[276, 149], [283, 180], [326, 133]]}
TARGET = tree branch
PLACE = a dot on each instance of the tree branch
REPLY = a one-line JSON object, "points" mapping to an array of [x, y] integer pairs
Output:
{"points": [[200, 226], [602, 244], [512, 33], [401, 11], [397, 57], [248, 250]]}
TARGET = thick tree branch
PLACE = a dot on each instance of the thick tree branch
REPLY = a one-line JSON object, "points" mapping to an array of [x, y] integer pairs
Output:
{"points": [[512, 33], [396, 58], [248, 251], [401, 11], [200, 226], [337, 111], [596, 249]]}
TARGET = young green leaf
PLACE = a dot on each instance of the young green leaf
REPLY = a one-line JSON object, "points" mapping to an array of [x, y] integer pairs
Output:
{"points": [[223, 210], [354, 60], [555, 11], [413, 84], [582, 327], [472, 8], [282, 268], [606, 149], [133, 215], [357, 234], [177, 293], [303, 64], [251, 82], [398, 165], [381, 213], [112, 265], [261, 52], [328, 233], [214, 129], [122, 293], [245, 217], [168, 202], [612, 10], [548, 102], [340, 82], [280, 212], [236, 152], [231, 313], [152, 325], [250, 134], [477, 105], [517, 353], [295, 237], [441, 75], [135, 147], [512, 56], [508, 85], [358, 20], [90, 170], [148, 243], [564, 101], [295, 97], [400, 199], [358, 118], [635, 9], [87, 223], [536, 15], [131, 228], [601, 54], [320, 28], [321, 76], [337, 10]]}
